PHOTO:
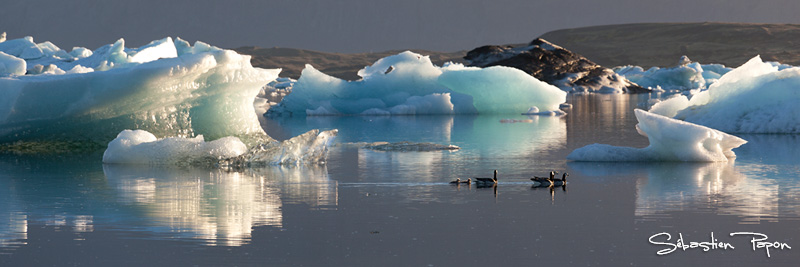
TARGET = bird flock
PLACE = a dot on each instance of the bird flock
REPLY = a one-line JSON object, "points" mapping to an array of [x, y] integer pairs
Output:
{"points": [[550, 181]]}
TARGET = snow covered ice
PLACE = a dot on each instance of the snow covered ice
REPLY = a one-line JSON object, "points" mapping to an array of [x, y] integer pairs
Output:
{"points": [[409, 84], [167, 88], [757, 97], [670, 140]]}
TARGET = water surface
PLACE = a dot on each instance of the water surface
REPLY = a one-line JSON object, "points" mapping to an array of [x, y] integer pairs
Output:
{"points": [[396, 208]]}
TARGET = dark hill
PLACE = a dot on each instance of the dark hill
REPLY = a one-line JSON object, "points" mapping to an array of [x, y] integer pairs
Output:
{"points": [[662, 44]]}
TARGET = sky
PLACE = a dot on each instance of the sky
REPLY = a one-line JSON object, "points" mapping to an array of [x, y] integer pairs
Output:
{"points": [[352, 26]]}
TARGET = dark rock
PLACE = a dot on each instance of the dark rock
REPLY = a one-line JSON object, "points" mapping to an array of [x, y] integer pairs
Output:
{"points": [[555, 65]]}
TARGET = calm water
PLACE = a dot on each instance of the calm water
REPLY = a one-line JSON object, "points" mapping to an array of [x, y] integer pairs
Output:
{"points": [[395, 208]]}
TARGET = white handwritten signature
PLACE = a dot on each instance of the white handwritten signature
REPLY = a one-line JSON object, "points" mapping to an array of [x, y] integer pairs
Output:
{"points": [[758, 241]]}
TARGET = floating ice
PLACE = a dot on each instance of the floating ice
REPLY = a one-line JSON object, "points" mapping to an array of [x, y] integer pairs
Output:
{"points": [[308, 148], [535, 111], [167, 87], [142, 147], [502, 89], [754, 98], [670, 140], [408, 83], [409, 146], [687, 75]]}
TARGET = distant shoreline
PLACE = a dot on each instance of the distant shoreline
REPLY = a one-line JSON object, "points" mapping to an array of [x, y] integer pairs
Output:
{"points": [[641, 44]]}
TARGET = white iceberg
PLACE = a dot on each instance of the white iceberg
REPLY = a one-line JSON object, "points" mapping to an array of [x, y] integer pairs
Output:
{"points": [[142, 147], [159, 88], [409, 84], [670, 140], [164, 89], [686, 76], [757, 97]]}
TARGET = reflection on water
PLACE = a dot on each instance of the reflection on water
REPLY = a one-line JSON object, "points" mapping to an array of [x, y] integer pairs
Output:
{"points": [[368, 206], [218, 206], [13, 229], [215, 206], [484, 133], [13, 222], [750, 189]]}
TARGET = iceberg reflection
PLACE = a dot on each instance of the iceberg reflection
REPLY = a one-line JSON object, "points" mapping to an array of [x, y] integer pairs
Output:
{"points": [[215, 205], [13, 229], [720, 187], [13, 222]]}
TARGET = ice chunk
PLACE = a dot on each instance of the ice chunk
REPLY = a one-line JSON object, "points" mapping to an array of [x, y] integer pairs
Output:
{"points": [[501, 89], [16, 47], [409, 146], [164, 48], [142, 147], [685, 76], [11, 65], [80, 52], [409, 83], [205, 91], [535, 111], [670, 140], [308, 148], [754, 98], [671, 106]]}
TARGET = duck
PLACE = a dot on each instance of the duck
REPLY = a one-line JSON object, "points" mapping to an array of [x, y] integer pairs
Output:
{"points": [[487, 181], [456, 181], [468, 181], [562, 182], [544, 181]]}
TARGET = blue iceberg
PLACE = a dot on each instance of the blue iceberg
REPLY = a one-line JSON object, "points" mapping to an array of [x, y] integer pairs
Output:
{"points": [[409, 84]]}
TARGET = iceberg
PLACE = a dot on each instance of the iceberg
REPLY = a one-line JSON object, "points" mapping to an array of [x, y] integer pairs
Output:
{"points": [[409, 84], [168, 88], [142, 147], [185, 94], [670, 140], [686, 76], [756, 97]]}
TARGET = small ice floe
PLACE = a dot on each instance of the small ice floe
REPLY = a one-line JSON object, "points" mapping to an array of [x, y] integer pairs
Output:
{"points": [[670, 140], [535, 111], [408, 146], [142, 147], [516, 121]]}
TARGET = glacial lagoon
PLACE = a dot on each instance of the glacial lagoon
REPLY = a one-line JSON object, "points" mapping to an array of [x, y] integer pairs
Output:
{"points": [[377, 208]]}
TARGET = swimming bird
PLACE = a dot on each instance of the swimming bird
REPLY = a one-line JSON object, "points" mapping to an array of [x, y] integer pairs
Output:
{"points": [[487, 181], [456, 181], [561, 182], [468, 181], [544, 181]]}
